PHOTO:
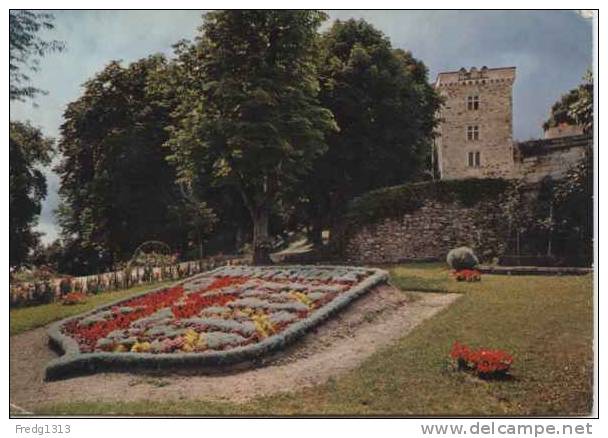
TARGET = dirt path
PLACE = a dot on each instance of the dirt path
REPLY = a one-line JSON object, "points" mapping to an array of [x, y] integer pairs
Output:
{"points": [[341, 344]]}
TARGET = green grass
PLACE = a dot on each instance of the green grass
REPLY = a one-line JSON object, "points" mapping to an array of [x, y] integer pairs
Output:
{"points": [[434, 277], [27, 318], [545, 322]]}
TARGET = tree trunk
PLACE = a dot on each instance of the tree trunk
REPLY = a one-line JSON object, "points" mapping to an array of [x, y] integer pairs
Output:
{"points": [[261, 241], [315, 234]]}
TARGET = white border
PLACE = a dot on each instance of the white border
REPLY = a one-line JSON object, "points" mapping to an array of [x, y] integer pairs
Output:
{"points": [[299, 427]]}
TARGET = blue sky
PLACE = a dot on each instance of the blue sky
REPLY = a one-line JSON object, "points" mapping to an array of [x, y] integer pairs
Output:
{"points": [[551, 50]]}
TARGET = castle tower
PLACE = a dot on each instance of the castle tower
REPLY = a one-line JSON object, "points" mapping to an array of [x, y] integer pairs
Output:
{"points": [[476, 129]]}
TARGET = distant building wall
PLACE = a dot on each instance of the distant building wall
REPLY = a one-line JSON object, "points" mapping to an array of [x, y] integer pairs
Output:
{"points": [[537, 159], [563, 130], [476, 133]]}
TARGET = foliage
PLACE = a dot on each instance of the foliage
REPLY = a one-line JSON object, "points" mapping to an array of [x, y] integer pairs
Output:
{"points": [[555, 218], [574, 107], [252, 120], [394, 202], [385, 109], [26, 47], [573, 210], [28, 151], [462, 258], [117, 188]]}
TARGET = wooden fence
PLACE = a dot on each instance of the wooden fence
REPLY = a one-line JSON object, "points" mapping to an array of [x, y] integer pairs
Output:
{"points": [[48, 291]]}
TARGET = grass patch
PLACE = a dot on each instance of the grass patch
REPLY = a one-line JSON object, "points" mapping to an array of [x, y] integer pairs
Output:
{"points": [[27, 318], [545, 322], [433, 277]]}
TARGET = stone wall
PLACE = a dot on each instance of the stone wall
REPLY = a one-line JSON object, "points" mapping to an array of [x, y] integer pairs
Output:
{"points": [[537, 159], [429, 232]]}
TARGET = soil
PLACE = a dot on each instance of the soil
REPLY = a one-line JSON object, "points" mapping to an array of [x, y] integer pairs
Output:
{"points": [[373, 321]]}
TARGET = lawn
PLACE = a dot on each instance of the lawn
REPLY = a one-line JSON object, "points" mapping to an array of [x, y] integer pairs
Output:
{"points": [[545, 322], [27, 318]]}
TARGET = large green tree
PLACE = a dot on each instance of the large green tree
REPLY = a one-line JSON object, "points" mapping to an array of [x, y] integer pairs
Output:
{"points": [[117, 188], [385, 109], [29, 150], [26, 48], [253, 122]]}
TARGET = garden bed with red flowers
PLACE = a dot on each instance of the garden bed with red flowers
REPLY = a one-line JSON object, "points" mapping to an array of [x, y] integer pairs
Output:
{"points": [[485, 363], [225, 316], [467, 275]]}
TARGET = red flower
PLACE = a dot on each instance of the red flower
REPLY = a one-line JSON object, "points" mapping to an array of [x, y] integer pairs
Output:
{"points": [[467, 275], [484, 362], [195, 303], [74, 298], [87, 336]]}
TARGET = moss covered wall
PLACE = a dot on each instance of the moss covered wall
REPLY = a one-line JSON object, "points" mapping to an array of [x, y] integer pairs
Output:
{"points": [[424, 221]]}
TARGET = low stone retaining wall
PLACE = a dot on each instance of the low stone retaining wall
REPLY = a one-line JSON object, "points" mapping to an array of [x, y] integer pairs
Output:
{"points": [[534, 270], [429, 233]]}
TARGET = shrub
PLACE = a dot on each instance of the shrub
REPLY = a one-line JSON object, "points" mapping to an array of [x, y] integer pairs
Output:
{"points": [[462, 258]]}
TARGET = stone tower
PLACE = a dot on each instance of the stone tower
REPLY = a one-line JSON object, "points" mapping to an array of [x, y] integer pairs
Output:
{"points": [[476, 130]]}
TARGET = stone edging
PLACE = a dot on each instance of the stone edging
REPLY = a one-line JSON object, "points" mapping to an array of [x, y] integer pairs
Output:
{"points": [[534, 270], [74, 362]]}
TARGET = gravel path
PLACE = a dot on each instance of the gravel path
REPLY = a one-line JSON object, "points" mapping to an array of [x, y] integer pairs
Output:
{"points": [[373, 321]]}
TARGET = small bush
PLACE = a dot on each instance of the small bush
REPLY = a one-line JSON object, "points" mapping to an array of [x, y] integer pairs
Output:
{"points": [[462, 258]]}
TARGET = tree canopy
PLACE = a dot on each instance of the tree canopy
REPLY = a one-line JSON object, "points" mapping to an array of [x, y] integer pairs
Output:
{"points": [[385, 109], [261, 124], [26, 48], [255, 122], [28, 151], [117, 189], [574, 107]]}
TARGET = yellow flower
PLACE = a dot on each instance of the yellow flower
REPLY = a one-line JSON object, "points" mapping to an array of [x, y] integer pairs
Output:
{"points": [[262, 324], [191, 337], [140, 347], [202, 343], [303, 298]]}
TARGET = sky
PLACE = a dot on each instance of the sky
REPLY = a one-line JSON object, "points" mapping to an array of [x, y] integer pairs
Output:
{"points": [[550, 49]]}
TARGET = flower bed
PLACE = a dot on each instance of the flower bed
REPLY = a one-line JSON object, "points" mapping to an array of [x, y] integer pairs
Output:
{"points": [[467, 275], [485, 363], [231, 314], [74, 298]]}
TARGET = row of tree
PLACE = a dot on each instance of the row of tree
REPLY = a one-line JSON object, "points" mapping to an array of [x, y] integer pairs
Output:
{"points": [[29, 149], [259, 126]]}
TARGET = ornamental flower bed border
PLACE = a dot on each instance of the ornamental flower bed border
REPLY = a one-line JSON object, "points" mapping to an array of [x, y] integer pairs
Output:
{"points": [[74, 362]]}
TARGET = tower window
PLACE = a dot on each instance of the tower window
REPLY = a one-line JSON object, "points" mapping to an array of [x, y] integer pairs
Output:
{"points": [[474, 159], [473, 132], [473, 103]]}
